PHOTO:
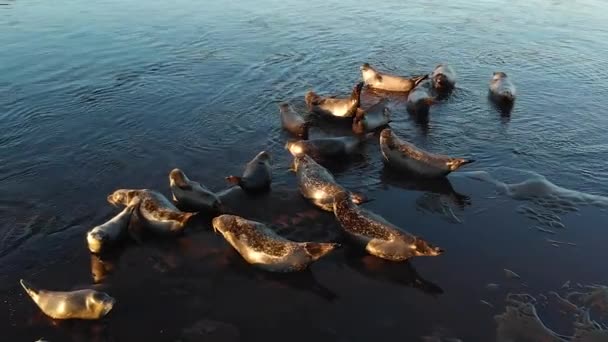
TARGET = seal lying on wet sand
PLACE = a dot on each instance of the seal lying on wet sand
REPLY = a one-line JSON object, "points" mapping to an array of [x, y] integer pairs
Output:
{"points": [[257, 175], [153, 210], [380, 237], [406, 157], [293, 122], [317, 184], [192, 194], [334, 107], [103, 236], [261, 246], [81, 304], [381, 81]]}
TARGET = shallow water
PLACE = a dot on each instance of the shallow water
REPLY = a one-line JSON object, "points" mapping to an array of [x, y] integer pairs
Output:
{"points": [[114, 94]]}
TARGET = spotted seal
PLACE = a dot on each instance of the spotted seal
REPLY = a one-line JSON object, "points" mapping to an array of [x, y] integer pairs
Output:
{"points": [[335, 107], [260, 246], [257, 175], [153, 210], [420, 99], [101, 237], [81, 304], [443, 77], [502, 90], [380, 237], [382, 81], [293, 122], [406, 157], [375, 117], [192, 194], [317, 184]]}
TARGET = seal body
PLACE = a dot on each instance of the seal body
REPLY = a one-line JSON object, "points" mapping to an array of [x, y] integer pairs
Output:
{"points": [[420, 99], [81, 304], [375, 117], [101, 237], [334, 107], [381, 81], [443, 78], [257, 175], [153, 210], [406, 157], [380, 237], [192, 194], [293, 122], [325, 147], [317, 184], [502, 90], [260, 246]]}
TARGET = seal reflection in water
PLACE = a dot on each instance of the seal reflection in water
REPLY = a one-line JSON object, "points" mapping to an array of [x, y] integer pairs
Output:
{"points": [[257, 175], [381, 81], [153, 210], [293, 122], [261, 246], [192, 194], [100, 238], [336, 107], [406, 157], [81, 304], [317, 184], [380, 237]]}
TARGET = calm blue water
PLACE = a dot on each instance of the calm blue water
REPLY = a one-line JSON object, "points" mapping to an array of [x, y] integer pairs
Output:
{"points": [[96, 96]]}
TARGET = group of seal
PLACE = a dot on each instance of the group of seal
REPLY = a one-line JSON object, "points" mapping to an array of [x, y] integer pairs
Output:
{"points": [[147, 210]]}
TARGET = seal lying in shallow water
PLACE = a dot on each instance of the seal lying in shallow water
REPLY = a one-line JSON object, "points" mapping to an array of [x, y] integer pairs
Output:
{"points": [[261, 246], [192, 194], [317, 184], [81, 304], [380, 237], [293, 122], [381, 81], [502, 90], [375, 117], [419, 100], [326, 147], [257, 175], [152, 209], [443, 78], [335, 107], [103, 236], [406, 157]]}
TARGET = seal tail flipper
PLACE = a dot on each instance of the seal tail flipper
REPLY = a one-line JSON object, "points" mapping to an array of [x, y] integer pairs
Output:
{"points": [[419, 79], [356, 94], [459, 162], [185, 217], [135, 227], [234, 180], [316, 250], [30, 289]]}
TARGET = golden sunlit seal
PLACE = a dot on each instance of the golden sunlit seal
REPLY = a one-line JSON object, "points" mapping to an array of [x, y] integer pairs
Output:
{"points": [[332, 106], [81, 304], [103, 236], [260, 246], [382, 81]]}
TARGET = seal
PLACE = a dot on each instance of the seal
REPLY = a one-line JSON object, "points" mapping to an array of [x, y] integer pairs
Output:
{"points": [[444, 78], [192, 194], [325, 147], [153, 210], [380, 237], [335, 107], [419, 100], [260, 246], [293, 122], [375, 117], [318, 185], [101, 237], [257, 175], [502, 90], [81, 304], [381, 81], [406, 157]]}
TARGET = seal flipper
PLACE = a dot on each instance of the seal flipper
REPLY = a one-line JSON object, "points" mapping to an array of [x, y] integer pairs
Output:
{"points": [[135, 227], [419, 79], [234, 180], [356, 94], [32, 291], [316, 250], [456, 163]]}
